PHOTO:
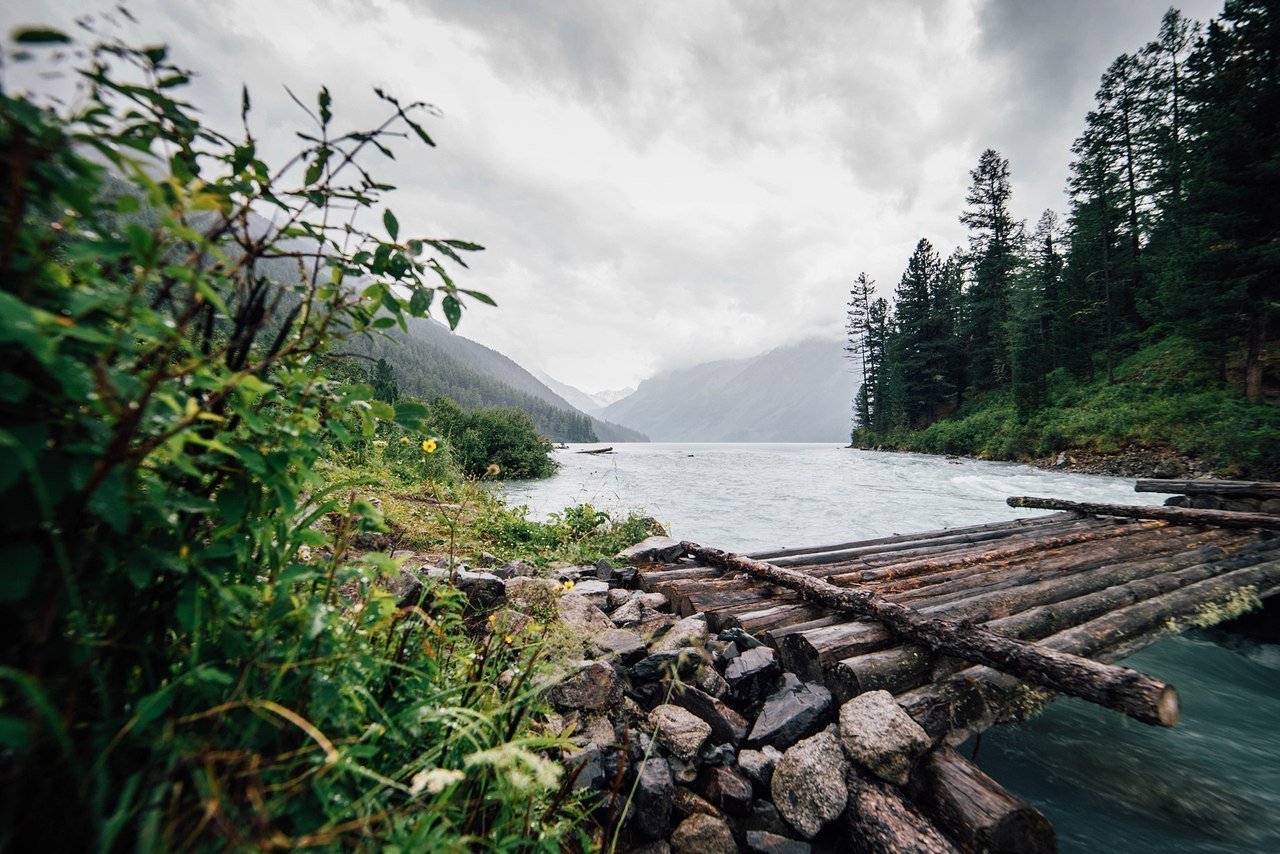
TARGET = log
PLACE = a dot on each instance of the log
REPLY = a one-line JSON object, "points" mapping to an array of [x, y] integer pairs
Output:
{"points": [[977, 697], [975, 810], [880, 821], [1139, 696], [1176, 515], [1211, 486], [608, 450]]}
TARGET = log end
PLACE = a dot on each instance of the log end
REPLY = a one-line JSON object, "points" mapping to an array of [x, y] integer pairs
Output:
{"points": [[1168, 707]]}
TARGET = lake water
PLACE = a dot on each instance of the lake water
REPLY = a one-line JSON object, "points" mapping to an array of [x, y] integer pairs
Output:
{"points": [[1211, 784]]}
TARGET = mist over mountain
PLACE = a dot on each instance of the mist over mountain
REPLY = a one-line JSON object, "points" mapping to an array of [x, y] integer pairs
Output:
{"points": [[584, 400], [797, 393]]}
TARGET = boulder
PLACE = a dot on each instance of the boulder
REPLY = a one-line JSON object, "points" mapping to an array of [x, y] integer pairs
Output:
{"points": [[684, 772], [752, 674], [726, 788], [595, 729], [795, 711], [653, 622], [649, 809], [691, 631], [595, 592], [758, 765], [726, 724], [654, 601], [708, 679], [660, 664], [482, 589], [879, 736], [764, 842], [717, 754], [652, 550], [628, 614], [582, 617], [679, 731], [808, 783], [595, 687], [703, 834], [513, 569], [686, 803], [765, 816], [739, 638], [620, 645], [619, 597]]}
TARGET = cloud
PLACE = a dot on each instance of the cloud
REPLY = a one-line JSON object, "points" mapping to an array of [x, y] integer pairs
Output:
{"points": [[667, 182]]}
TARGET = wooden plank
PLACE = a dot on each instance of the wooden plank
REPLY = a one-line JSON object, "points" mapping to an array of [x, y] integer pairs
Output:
{"points": [[1212, 486]]}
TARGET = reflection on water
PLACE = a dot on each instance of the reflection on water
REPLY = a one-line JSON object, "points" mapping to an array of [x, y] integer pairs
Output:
{"points": [[1210, 784]]}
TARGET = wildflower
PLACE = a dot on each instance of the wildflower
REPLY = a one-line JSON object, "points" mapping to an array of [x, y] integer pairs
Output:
{"points": [[434, 780], [404, 440], [379, 443], [507, 639], [304, 553], [492, 470], [430, 445], [184, 550], [568, 585]]}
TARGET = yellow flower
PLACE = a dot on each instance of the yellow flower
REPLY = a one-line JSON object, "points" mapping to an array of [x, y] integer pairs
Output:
{"points": [[568, 585], [507, 639], [429, 446], [184, 550], [493, 470], [404, 440]]}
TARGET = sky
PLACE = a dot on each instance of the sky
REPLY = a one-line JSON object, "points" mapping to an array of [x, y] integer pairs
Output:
{"points": [[660, 183]]}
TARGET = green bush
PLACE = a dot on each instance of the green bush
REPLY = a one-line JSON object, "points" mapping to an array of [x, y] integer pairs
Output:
{"points": [[190, 658], [492, 442]]}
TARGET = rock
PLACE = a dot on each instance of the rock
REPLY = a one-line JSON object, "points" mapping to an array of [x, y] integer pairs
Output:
{"points": [[691, 631], [661, 664], [652, 550], [595, 592], [703, 834], [621, 645], [795, 711], [583, 617], [655, 601], [508, 623], [588, 768], [685, 772], [708, 679], [758, 765], [657, 846], [604, 569], [649, 810], [686, 803], [629, 614], [764, 842], [513, 569], [808, 783], [752, 674], [596, 687], [739, 638], [482, 589], [765, 816], [597, 730], [531, 594], [726, 724], [717, 754], [573, 573], [726, 788], [654, 622], [618, 597], [879, 736], [679, 731]]}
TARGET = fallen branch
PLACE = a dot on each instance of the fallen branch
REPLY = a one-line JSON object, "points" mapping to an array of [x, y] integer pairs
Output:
{"points": [[1137, 695], [1176, 515]]}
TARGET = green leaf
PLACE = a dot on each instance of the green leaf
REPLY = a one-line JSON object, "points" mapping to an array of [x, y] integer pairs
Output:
{"points": [[482, 297], [381, 409], [392, 224], [40, 35], [420, 302], [410, 411], [452, 310]]}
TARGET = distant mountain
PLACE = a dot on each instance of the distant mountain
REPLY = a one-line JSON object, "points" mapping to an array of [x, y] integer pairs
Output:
{"points": [[799, 393], [430, 360], [583, 400]]}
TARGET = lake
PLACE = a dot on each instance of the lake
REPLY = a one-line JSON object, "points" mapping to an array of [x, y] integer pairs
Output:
{"points": [[1211, 784]]}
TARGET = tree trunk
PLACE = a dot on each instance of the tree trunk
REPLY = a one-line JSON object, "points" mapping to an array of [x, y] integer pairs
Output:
{"points": [[880, 821], [1177, 515]]}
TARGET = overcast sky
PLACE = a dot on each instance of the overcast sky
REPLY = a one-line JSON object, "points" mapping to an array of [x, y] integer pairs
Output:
{"points": [[664, 183]]}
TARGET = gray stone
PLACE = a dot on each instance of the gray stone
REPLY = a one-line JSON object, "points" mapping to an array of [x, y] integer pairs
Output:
{"points": [[654, 601], [618, 597], [649, 809], [621, 645], [595, 592], [879, 736], [628, 614], [596, 687], [604, 569], [583, 617], [752, 674], [764, 842], [726, 724], [739, 638], [595, 729], [758, 765], [691, 631], [725, 788], [679, 730], [685, 772], [657, 846], [654, 622], [703, 834], [808, 783], [765, 816], [588, 768], [652, 550], [687, 803], [796, 710], [717, 754], [482, 589], [660, 664], [708, 679]]}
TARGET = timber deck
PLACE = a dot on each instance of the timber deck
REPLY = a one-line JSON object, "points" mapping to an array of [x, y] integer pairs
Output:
{"points": [[1082, 581]]}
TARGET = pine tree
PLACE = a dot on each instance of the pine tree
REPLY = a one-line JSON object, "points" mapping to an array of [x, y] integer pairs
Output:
{"points": [[858, 332], [993, 237]]}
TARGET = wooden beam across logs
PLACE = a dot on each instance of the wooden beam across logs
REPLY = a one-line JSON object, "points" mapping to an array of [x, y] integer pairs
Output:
{"points": [[1210, 486], [1137, 695], [1176, 515]]}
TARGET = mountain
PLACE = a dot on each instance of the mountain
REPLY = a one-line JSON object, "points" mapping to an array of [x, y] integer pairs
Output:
{"points": [[798, 393], [583, 400], [430, 360]]}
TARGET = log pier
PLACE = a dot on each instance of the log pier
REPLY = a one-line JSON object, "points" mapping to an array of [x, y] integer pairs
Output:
{"points": [[976, 626]]}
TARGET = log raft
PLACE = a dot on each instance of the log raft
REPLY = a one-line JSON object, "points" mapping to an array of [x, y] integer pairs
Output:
{"points": [[976, 626]]}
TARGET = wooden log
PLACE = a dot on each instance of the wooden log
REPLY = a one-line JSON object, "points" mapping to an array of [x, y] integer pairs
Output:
{"points": [[1177, 515], [975, 698], [902, 668], [1211, 486], [608, 450], [1139, 696], [975, 810], [880, 821]]}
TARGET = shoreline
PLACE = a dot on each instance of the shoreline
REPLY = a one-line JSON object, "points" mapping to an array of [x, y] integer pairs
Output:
{"points": [[1130, 463]]}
